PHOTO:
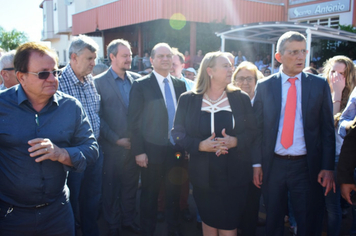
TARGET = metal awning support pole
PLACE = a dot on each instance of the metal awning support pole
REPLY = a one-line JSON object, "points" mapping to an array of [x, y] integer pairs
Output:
{"points": [[222, 43], [309, 37], [272, 57]]}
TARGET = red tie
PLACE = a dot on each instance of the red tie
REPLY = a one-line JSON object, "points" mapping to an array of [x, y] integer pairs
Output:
{"points": [[289, 115]]}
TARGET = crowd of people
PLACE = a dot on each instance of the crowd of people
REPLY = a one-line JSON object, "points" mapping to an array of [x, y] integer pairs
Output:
{"points": [[75, 142]]}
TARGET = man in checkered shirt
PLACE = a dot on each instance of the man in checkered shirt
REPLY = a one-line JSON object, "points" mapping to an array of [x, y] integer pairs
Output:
{"points": [[76, 80]]}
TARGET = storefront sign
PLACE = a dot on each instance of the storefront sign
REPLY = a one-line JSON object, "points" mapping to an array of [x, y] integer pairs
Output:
{"points": [[293, 2], [319, 9]]}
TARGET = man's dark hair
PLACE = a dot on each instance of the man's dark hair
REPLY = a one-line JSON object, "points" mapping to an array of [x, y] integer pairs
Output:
{"points": [[24, 51]]}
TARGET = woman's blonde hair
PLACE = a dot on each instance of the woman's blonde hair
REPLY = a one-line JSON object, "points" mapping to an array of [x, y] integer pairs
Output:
{"points": [[203, 82], [349, 74]]}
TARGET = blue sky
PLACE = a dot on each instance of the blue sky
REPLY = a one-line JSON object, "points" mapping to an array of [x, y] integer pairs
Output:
{"points": [[22, 15]]}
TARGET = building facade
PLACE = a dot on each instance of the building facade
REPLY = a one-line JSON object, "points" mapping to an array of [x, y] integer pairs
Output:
{"points": [[57, 27], [181, 23]]}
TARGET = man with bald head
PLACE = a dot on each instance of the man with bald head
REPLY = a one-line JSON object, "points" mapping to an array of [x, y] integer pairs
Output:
{"points": [[153, 100]]}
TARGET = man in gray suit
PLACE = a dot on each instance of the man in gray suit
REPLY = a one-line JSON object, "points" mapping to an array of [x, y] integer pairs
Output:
{"points": [[120, 172]]}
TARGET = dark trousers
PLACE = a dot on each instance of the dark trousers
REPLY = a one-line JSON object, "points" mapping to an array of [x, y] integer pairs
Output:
{"points": [[249, 217], [284, 176], [85, 194], [151, 178], [129, 185], [55, 219], [184, 190], [120, 183]]}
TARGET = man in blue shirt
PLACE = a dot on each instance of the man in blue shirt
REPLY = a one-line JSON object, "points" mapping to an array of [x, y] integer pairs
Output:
{"points": [[120, 172], [43, 134]]}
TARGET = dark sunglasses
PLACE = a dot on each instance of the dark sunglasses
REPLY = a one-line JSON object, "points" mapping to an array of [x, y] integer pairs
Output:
{"points": [[45, 74], [8, 68]]}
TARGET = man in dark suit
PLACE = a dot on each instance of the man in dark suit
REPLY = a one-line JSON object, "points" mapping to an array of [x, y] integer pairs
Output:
{"points": [[153, 100], [120, 172], [296, 151]]}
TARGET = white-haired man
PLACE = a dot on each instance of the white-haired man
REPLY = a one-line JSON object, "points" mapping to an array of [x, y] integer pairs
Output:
{"points": [[76, 80], [7, 69]]}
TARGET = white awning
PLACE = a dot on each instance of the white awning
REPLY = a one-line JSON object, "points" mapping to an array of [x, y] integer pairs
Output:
{"points": [[269, 32]]}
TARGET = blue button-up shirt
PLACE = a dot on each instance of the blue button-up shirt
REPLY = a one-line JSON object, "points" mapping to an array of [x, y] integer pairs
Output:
{"points": [[124, 86], [24, 182], [348, 114]]}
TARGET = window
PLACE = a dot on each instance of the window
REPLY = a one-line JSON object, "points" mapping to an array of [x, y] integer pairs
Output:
{"points": [[332, 22]]}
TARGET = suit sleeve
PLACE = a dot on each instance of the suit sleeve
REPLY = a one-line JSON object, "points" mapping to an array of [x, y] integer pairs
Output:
{"points": [[84, 149], [135, 111], [258, 112], [327, 131], [247, 139], [179, 131]]}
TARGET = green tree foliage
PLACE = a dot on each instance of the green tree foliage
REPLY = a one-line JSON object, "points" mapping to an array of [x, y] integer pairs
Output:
{"points": [[348, 28], [10, 40]]}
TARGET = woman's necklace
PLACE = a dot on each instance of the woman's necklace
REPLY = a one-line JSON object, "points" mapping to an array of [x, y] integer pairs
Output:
{"points": [[215, 101]]}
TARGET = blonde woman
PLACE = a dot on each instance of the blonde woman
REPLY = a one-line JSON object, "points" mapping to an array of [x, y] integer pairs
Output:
{"points": [[340, 73], [216, 125]]}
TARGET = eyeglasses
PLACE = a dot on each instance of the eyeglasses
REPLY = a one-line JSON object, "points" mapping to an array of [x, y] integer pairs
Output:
{"points": [[241, 79], [296, 52], [45, 74], [9, 69]]}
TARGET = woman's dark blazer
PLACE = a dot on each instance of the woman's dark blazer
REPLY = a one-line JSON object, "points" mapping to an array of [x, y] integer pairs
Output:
{"points": [[186, 134]]}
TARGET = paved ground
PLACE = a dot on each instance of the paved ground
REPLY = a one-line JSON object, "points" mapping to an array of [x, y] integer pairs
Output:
{"points": [[190, 229]]}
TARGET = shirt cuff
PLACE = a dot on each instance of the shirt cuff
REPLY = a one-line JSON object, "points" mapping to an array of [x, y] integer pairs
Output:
{"points": [[342, 129], [256, 165]]}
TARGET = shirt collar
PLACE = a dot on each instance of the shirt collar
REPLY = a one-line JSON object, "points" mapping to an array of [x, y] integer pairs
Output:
{"points": [[286, 77], [160, 78], [21, 96], [68, 70], [115, 75]]}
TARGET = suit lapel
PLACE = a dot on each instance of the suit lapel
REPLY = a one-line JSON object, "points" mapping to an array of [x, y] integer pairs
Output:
{"points": [[276, 89], [156, 89], [113, 85], [306, 85], [194, 112], [177, 87]]}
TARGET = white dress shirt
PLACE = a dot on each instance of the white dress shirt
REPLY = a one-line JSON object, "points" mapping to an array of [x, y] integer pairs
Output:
{"points": [[160, 79], [298, 147]]}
